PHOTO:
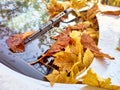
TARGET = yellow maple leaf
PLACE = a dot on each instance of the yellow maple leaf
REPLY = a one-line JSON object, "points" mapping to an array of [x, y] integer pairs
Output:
{"points": [[77, 69], [65, 60], [76, 47], [77, 4], [60, 77], [75, 35], [92, 79], [88, 58]]}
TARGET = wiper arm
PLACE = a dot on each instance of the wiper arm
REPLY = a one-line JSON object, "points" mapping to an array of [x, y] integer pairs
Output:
{"points": [[47, 26]]}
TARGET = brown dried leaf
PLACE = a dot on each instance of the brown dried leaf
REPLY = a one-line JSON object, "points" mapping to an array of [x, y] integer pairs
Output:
{"points": [[60, 44], [16, 41], [88, 42], [77, 27], [91, 13], [54, 8]]}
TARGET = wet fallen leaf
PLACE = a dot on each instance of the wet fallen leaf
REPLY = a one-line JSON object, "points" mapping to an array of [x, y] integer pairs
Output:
{"points": [[16, 41], [62, 40]]}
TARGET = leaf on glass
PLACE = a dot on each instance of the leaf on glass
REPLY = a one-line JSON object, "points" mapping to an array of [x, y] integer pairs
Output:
{"points": [[73, 59], [16, 41], [65, 59], [54, 8]]}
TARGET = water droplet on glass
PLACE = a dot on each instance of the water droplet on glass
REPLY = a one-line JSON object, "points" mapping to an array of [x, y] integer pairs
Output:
{"points": [[34, 56], [118, 72], [114, 62], [1, 51], [107, 62], [42, 50], [112, 74], [9, 53]]}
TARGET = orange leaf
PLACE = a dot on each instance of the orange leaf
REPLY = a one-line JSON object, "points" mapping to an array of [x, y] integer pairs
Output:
{"points": [[111, 12], [16, 41], [54, 8]]}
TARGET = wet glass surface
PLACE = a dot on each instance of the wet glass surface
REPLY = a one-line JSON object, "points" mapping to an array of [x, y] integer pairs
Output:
{"points": [[19, 16]]}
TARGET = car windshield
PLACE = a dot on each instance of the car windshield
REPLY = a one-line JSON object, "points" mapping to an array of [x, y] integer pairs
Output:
{"points": [[19, 16]]}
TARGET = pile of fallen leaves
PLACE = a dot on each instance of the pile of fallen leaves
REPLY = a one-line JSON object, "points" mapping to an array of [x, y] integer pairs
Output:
{"points": [[75, 48]]}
